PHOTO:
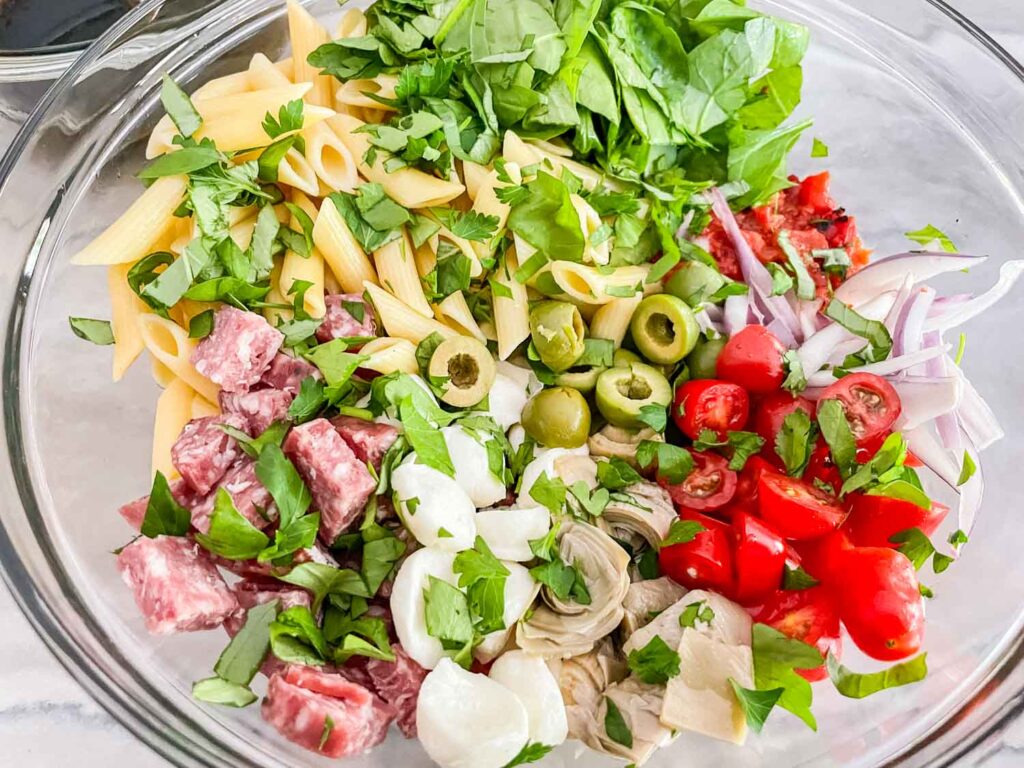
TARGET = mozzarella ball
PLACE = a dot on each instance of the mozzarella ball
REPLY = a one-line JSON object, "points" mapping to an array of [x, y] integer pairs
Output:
{"points": [[509, 530], [520, 592], [472, 468], [408, 607], [433, 506], [529, 678], [544, 462]]}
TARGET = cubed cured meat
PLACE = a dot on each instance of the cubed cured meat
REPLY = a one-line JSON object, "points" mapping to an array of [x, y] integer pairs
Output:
{"points": [[238, 351], [253, 592], [338, 481], [204, 451], [259, 409], [287, 373], [398, 683], [300, 700], [251, 498], [134, 512], [367, 439], [255, 569], [176, 585], [348, 316]]}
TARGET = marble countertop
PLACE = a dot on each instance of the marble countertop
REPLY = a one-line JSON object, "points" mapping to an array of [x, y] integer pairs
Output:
{"points": [[46, 719]]}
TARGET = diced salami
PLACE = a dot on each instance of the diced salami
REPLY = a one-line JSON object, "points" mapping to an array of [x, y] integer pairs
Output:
{"points": [[287, 373], [253, 592], [348, 315], [238, 351], [134, 512], [300, 700], [259, 409], [204, 451], [367, 439], [338, 481], [398, 683], [250, 497], [255, 569], [176, 585]]}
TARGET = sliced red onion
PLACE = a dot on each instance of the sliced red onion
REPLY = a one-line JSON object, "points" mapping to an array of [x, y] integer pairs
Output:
{"points": [[807, 313], [947, 424], [977, 418], [885, 368], [734, 318], [909, 327], [944, 304], [971, 493], [817, 349], [706, 323], [889, 273], [755, 274], [781, 331], [903, 295], [844, 349], [926, 446], [1009, 273], [715, 312], [925, 399]]}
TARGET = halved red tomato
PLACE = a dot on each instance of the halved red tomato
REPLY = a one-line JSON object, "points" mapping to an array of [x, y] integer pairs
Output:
{"points": [[746, 485], [760, 558], [819, 557], [704, 563], [874, 520], [797, 510], [752, 358], [808, 615], [720, 406], [871, 405], [770, 414], [879, 601], [711, 484]]}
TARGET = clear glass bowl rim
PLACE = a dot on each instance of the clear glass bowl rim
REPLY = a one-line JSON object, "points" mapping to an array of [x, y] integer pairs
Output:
{"points": [[945, 745]]}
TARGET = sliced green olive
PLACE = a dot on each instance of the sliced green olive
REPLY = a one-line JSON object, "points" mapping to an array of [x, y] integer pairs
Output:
{"points": [[703, 361], [558, 418], [468, 368], [664, 329], [623, 392], [624, 357], [582, 379], [694, 282], [557, 330]]}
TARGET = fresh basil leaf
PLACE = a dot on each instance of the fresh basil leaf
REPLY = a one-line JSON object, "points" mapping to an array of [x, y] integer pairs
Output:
{"points": [[335, 363], [655, 663], [323, 580], [858, 686], [682, 532], [241, 659], [819, 148], [179, 107], [183, 161], [98, 332], [932, 234], [838, 435], [299, 534], [425, 439], [381, 550], [295, 638], [901, 489], [231, 536], [874, 331], [794, 442], [782, 281], [615, 725], [805, 288], [547, 220], [309, 402], [776, 656], [756, 705], [279, 476], [215, 690], [164, 515], [446, 613], [968, 470], [201, 326]]}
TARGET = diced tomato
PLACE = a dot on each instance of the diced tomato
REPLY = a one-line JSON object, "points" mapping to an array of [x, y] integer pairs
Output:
{"points": [[879, 601], [760, 558], [711, 484], [813, 193], [871, 405], [746, 486], [770, 414], [874, 520], [710, 404], [704, 563], [808, 615], [797, 510], [752, 358], [820, 556]]}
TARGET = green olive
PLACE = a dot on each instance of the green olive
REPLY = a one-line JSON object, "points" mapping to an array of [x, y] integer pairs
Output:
{"points": [[558, 418], [468, 368], [703, 361], [694, 282], [664, 329], [582, 379], [624, 357], [557, 330], [623, 392]]}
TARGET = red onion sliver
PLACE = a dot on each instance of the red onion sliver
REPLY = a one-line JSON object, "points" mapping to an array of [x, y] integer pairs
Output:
{"points": [[927, 399], [1009, 273], [889, 273]]}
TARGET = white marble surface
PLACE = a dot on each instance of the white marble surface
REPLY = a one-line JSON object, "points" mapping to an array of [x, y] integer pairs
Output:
{"points": [[46, 719]]}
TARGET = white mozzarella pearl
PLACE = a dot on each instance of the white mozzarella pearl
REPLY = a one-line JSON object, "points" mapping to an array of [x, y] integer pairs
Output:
{"points": [[520, 592], [442, 515], [529, 678], [472, 469], [509, 530], [408, 607]]}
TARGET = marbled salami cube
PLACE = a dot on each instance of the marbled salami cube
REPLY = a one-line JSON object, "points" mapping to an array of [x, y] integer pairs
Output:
{"points": [[348, 315], [251, 498], [339, 482], [300, 700], [251, 592], [287, 373], [134, 512], [176, 585], [204, 451], [398, 683], [259, 409], [367, 439], [238, 351]]}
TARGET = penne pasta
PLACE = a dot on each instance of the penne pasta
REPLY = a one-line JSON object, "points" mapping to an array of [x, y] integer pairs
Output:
{"points": [[611, 320], [162, 375], [387, 355], [263, 73], [275, 315], [588, 285], [486, 203], [125, 309], [396, 271], [201, 407], [310, 268], [473, 177], [330, 158], [173, 412], [170, 345], [463, 245], [401, 320], [352, 24], [590, 224], [525, 154], [454, 311], [341, 250], [406, 186], [147, 221], [511, 307], [296, 171], [307, 34], [354, 93]]}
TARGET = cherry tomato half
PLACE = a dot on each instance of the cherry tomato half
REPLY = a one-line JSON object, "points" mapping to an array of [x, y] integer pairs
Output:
{"points": [[760, 558], [746, 485], [819, 557], [710, 404], [879, 601], [704, 563], [871, 404], [808, 615], [711, 485], [874, 520], [772, 411], [796, 509], [752, 358], [813, 192]]}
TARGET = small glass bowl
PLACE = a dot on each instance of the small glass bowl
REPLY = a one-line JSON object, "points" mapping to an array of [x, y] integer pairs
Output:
{"points": [[923, 115]]}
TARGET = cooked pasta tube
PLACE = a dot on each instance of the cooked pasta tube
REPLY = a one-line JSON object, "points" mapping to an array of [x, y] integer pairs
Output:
{"points": [[341, 250], [125, 310], [396, 271], [401, 320], [387, 355], [511, 307], [611, 320], [454, 311], [330, 158], [307, 34], [589, 285], [173, 412], [170, 345]]}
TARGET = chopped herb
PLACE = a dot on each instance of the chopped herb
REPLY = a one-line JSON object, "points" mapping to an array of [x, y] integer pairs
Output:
{"points": [[682, 532], [655, 663], [797, 578], [805, 288], [164, 515], [741, 446], [98, 332], [776, 657], [794, 442], [835, 428], [874, 331], [858, 686], [819, 148], [179, 107], [549, 492], [756, 705], [200, 326], [289, 118], [615, 725], [673, 463], [654, 416], [932, 234], [796, 380], [694, 612], [968, 470], [530, 753]]}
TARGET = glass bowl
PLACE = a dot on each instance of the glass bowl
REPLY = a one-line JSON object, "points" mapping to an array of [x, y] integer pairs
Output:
{"points": [[923, 115]]}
